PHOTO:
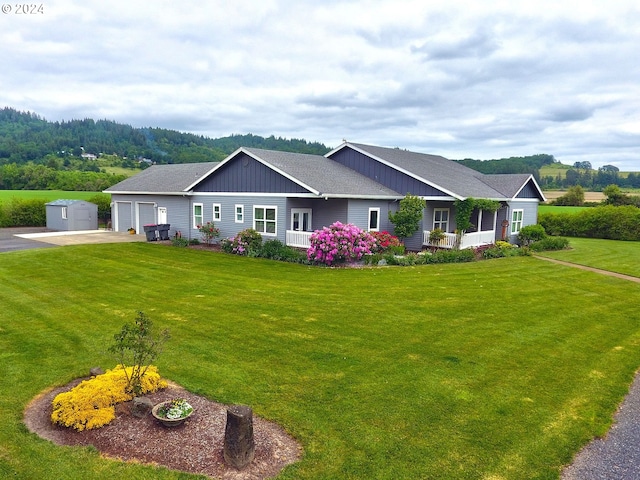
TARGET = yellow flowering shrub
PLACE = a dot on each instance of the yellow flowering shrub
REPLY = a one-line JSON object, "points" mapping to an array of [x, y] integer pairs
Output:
{"points": [[91, 404]]}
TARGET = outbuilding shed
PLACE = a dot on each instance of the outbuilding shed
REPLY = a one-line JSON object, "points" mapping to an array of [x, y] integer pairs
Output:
{"points": [[72, 215]]}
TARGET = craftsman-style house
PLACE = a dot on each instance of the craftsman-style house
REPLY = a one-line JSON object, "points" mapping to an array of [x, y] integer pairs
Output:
{"points": [[287, 196]]}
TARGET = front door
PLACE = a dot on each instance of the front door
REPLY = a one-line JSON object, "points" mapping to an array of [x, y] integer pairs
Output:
{"points": [[162, 215], [301, 219]]}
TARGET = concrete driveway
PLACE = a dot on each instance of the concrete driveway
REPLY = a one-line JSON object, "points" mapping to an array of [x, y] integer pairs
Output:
{"points": [[24, 238]]}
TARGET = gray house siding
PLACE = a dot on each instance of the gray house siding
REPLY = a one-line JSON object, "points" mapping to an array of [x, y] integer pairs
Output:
{"points": [[529, 215], [139, 210], [227, 224], [245, 174], [387, 176]]}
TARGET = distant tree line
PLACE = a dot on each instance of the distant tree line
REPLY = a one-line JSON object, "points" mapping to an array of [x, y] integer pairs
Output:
{"points": [[27, 137], [580, 174]]}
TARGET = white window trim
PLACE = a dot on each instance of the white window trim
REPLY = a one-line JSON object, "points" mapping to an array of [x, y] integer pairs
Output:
{"points": [[275, 222], [238, 209], [514, 223], [435, 210], [301, 212], [64, 213], [201, 216], [219, 212], [377, 227]]}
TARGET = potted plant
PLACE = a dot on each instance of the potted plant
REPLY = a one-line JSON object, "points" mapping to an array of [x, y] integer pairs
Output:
{"points": [[172, 413]]}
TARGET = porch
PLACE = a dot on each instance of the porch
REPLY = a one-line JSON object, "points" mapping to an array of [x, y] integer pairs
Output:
{"points": [[298, 239], [472, 239]]}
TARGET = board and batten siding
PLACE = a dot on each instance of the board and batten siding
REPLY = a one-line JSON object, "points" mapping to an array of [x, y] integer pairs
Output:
{"points": [[385, 175], [246, 175]]}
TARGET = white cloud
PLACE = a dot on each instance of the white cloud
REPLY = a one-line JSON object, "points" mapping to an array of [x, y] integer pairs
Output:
{"points": [[460, 79]]}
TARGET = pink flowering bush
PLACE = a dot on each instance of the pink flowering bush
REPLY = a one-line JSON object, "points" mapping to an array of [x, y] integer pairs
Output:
{"points": [[340, 243], [247, 243]]}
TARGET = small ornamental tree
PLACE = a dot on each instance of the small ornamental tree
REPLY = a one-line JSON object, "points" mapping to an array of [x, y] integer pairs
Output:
{"points": [[209, 232], [406, 220], [340, 243], [137, 345]]}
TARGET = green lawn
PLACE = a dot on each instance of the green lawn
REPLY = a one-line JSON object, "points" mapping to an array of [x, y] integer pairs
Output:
{"points": [[45, 195], [613, 255], [559, 209], [469, 371]]}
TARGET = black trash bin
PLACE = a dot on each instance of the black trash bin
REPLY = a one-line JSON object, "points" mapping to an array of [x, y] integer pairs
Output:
{"points": [[163, 231], [150, 231]]}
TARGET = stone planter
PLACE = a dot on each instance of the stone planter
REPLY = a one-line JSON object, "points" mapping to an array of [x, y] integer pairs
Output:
{"points": [[168, 422]]}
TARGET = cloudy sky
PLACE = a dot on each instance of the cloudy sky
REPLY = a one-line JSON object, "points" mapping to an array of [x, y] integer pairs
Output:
{"points": [[464, 79]]}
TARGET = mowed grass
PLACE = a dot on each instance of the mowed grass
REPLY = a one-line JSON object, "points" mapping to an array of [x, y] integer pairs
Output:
{"points": [[613, 255], [44, 195], [559, 209], [500, 369]]}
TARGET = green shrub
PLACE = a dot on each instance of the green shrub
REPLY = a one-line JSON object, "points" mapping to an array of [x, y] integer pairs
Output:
{"points": [[550, 243], [609, 222], [247, 242], [451, 256], [530, 234], [276, 250], [179, 242], [20, 212]]}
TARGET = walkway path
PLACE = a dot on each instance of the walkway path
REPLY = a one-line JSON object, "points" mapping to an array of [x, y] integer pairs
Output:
{"points": [[617, 455]]}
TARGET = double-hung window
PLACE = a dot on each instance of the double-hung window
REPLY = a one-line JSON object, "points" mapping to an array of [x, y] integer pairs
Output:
{"points": [[374, 219], [265, 219], [197, 215], [441, 219], [516, 221], [239, 215], [217, 212]]}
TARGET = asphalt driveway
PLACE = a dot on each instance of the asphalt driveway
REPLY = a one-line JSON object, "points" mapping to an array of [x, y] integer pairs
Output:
{"points": [[24, 238]]}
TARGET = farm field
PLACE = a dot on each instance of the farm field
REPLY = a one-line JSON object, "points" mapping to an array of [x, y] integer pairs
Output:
{"points": [[560, 209], [471, 371], [45, 195]]}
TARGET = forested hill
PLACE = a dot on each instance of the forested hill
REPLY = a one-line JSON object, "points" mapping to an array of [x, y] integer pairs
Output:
{"points": [[530, 164], [27, 137]]}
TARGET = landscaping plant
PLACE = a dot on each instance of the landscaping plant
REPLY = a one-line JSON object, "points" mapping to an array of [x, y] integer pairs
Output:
{"points": [[136, 347], [406, 220], [91, 404], [209, 232], [340, 243], [245, 243]]}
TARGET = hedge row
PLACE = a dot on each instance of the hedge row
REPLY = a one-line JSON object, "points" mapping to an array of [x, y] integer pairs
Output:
{"points": [[609, 222], [19, 212]]}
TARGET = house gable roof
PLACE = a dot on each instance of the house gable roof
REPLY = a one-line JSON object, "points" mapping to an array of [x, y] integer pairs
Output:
{"points": [[324, 176], [165, 179], [318, 175], [516, 185], [441, 173]]}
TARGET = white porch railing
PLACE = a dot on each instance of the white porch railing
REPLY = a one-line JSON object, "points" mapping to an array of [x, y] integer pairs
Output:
{"points": [[298, 239], [473, 239]]}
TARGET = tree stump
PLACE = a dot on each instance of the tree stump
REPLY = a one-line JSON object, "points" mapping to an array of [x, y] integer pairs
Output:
{"points": [[239, 447]]}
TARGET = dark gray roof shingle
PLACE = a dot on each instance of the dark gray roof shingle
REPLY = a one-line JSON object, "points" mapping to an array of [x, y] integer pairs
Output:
{"points": [[322, 174], [441, 172], [173, 178]]}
